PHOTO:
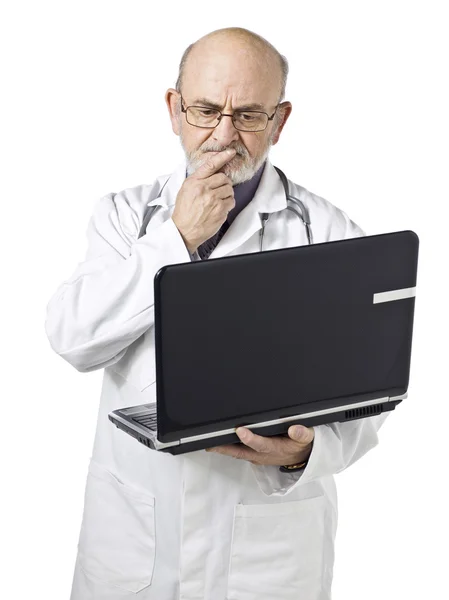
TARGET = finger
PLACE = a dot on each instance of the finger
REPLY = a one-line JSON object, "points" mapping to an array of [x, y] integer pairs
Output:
{"points": [[218, 180], [214, 162], [229, 203], [254, 441], [225, 191], [235, 451], [301, 434], [222, 206]]}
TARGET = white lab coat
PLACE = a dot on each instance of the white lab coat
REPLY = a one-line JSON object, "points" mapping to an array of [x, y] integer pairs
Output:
{"points": [[199, 526]]}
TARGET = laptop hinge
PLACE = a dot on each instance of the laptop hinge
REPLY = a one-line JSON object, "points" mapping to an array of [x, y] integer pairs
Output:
{"points": [[145, 434]]}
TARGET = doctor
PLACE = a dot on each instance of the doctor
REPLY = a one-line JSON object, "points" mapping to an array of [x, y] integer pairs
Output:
{"points": [[226, 524]]}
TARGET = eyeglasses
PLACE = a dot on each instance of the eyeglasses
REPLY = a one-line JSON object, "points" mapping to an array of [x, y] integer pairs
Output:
{"points": [[243, 120]]}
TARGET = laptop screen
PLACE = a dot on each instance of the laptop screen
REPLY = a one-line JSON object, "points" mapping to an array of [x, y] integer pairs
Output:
{"points": [[259, 333]]}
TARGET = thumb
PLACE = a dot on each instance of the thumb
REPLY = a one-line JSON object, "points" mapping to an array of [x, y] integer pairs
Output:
{"points": [[302, 434]]}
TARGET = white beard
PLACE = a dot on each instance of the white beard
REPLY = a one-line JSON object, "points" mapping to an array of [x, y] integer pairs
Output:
{"points": [[241, 168]]}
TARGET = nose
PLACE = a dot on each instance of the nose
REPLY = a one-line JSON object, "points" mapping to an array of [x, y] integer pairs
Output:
{"points": [[225, 132]]}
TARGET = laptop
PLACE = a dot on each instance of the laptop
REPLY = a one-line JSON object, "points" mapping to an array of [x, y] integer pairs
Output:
{"points": [[311, 334]]}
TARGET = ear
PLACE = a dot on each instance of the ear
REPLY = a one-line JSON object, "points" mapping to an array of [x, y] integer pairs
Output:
{"points": [[173, 99], [286, 109]]}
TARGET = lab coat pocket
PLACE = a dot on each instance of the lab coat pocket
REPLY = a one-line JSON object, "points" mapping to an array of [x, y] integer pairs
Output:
{"points": [[277, 551], [117, 539]]}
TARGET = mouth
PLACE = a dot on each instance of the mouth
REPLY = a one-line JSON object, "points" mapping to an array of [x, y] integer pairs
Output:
{"points": [[237, 153]]}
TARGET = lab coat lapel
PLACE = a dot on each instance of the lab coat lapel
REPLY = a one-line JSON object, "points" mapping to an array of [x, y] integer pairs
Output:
{"points": [[166, 187], [269, 198]]}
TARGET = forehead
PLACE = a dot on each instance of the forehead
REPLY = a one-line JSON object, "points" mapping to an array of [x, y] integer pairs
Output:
{"points": [[234, 73]]}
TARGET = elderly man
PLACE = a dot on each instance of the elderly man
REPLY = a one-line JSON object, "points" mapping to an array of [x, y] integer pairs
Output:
{"points": [[242, 522]]}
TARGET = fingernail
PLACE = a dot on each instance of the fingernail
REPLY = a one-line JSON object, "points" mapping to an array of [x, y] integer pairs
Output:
{"points": [[242, 433], [230, 151], [298, 431]]}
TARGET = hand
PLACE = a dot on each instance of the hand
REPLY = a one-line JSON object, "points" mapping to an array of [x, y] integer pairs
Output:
{"points": [[204, 200], [276, 450]]}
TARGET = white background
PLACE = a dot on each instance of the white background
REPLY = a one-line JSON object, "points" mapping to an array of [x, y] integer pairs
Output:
{"points": [[83, 114]]}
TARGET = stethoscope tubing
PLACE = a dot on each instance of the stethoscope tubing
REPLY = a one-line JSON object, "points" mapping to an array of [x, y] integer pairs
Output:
{"points": [[291, 200]]}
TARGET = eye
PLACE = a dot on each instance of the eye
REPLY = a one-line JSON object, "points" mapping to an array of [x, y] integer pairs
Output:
{"points": [[248, 116], [207, 112]]}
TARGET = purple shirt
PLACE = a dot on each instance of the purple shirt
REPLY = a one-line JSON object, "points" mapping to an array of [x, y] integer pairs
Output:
{"points": [[244, 193]]}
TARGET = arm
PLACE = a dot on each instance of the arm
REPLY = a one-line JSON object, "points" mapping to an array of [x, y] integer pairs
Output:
{"points": [[328, 449], [336, 446], [107, 303]]}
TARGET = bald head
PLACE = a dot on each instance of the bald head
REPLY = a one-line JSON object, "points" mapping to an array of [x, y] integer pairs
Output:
{"points": [[233, 47]]}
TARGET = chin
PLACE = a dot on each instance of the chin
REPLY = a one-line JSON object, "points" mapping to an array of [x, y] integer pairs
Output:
{"points": [[238, 174]]}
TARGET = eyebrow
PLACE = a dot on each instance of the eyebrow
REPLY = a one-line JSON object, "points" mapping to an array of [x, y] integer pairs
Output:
{"points": [[206, 102]]}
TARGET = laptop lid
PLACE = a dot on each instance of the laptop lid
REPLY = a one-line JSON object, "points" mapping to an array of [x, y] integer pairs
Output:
{"points": [[266, 335]]}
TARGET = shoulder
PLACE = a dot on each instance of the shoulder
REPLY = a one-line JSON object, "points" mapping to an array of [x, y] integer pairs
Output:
{"points": [[126, 208], [328, 222], [127, 204], [117, 216]]}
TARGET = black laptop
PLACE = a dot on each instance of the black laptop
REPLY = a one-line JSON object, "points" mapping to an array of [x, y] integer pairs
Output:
{"points": [[312, 335]]}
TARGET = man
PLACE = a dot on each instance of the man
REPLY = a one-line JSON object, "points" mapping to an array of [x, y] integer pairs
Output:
{"points": [[210, 525]]}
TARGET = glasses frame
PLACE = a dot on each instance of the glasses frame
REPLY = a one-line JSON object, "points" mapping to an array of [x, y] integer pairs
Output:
{"points": [[221, 115]]}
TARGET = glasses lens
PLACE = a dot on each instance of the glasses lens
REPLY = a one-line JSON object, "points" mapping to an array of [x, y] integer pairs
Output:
{"points": [[202, 117], [250, 121]]}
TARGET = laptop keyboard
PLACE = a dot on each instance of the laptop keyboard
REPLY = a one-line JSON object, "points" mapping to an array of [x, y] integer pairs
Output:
{"points": [[148, 420]]}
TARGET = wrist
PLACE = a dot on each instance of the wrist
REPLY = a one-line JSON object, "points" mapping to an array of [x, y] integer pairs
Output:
{"points": [[301, 460], [293, 468], [191, 246]]}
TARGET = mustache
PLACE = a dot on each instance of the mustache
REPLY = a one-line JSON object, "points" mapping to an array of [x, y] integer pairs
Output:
{"points": [[216, 147]]}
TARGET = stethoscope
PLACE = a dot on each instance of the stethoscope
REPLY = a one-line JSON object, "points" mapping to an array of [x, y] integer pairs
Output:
{"points": [[302, 216], [291, 200]]}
